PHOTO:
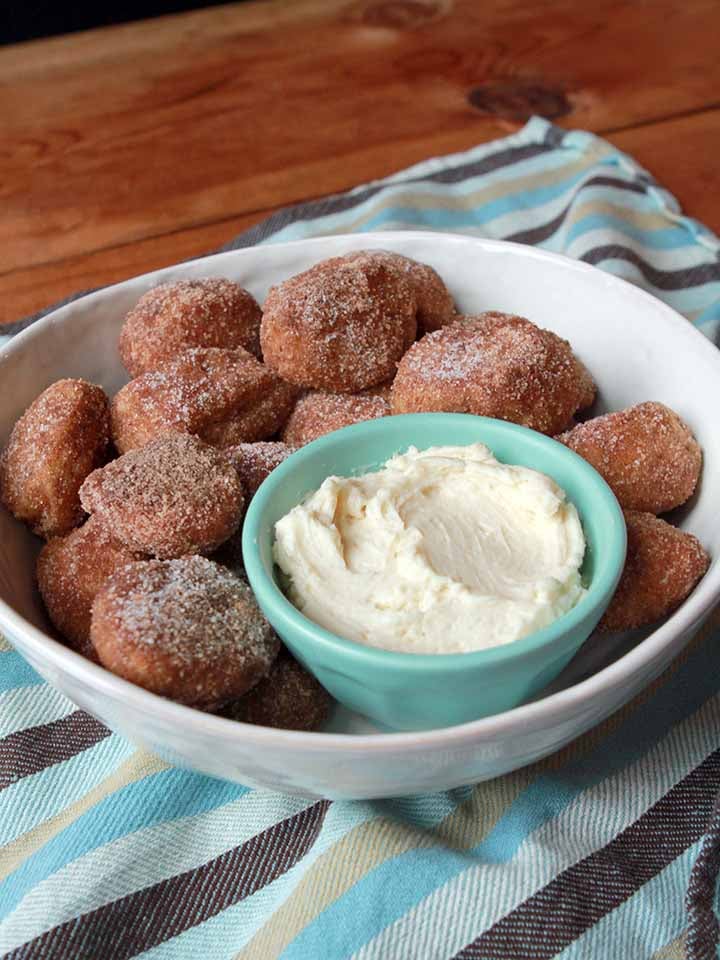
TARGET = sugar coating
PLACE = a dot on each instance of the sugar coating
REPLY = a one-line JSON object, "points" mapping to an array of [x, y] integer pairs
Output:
{"points": [[340, 326], [172, 317], [223, 396], [258, 421], [70, 572], [172, 497], [317, 413], [662, 567], [495, 365], [58, 441], [646, 453], [255, 462], [383, 390], [434, 304], [186, 629], [289, 698]]}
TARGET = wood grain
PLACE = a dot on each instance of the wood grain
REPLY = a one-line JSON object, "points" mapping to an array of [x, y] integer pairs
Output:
{"points": [[681, 153], [21, 289], [130, 147], [683, 156]]}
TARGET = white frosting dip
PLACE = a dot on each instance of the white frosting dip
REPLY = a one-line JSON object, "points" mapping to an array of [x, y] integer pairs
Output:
{"points": [[441, 551]]}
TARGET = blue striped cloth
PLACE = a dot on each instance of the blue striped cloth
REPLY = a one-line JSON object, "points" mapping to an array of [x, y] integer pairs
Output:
{"points": [[609, 849]]}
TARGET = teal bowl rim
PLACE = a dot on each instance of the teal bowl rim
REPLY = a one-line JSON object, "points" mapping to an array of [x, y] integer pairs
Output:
{"points": [[271, 597]]}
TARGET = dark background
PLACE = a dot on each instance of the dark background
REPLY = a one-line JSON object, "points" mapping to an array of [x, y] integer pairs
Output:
{"points": [[42, 18]]}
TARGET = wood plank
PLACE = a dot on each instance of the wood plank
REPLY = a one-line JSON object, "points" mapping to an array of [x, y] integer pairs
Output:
{"points": [[683, 156], [122, 134], [681, 153], [26, 290]]}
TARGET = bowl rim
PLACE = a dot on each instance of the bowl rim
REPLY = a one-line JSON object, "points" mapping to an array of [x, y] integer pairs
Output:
{"points": [[605, 579], [550, 710]]}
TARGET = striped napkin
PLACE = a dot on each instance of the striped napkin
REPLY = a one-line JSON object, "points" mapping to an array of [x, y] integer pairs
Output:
{"points": [[609, 849]]}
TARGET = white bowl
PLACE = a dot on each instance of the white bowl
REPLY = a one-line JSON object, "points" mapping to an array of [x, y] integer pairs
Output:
{"points": [[636, 347]]}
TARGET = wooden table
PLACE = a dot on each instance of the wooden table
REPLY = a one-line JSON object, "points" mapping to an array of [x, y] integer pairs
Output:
{"points": [[128, 148]]}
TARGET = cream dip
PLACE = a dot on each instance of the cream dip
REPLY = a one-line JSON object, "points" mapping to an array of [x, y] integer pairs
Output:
{"points": [[443, 550]]}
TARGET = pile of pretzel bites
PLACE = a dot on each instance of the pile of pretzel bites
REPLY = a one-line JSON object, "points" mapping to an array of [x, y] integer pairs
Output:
{"points": [[141, 499]]}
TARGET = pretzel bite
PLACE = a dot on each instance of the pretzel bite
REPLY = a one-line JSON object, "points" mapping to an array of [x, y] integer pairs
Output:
{"points": [[340, 326], [383, 390], [173, 317], [229, 555], [172, 497], [185, 629], [494, 365], [70, 571], [289, 698], [255, 462], [647, 454], [662, 567], [434, 304], [62, 436], [223, 396], [317, 413]]}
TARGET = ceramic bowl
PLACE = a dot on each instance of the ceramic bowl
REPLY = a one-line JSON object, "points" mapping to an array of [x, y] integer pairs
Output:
{"points": [[413, 691], [637, 349]]}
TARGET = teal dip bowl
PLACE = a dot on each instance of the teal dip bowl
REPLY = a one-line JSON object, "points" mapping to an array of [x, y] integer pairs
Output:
{"points": [[408, 691]]}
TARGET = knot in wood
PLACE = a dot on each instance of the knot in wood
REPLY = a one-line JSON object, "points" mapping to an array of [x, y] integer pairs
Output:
{"points": [[398, 14], [520, 100]]}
